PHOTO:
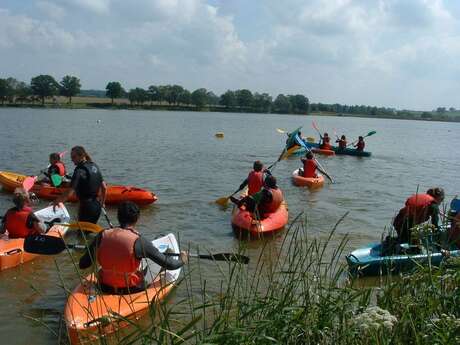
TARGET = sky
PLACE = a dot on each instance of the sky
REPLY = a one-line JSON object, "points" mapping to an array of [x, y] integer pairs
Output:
{"points": [[393, 53]]}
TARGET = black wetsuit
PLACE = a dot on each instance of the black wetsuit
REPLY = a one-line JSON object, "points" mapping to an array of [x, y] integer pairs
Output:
{"points": [[86, 182]]}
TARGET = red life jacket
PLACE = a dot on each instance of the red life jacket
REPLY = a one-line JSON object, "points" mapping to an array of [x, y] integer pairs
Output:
{"points": [[325, 145], [417, 207], [61, 168], [255, 182], [119, 265], [16, 223], [342, 144], [277, 199], [309, 168], [360, 146]]}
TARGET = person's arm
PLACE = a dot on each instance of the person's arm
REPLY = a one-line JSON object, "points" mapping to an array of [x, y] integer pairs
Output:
{"points": [[35, 224], [103, 193], [244, 184], [77, 174], [90, 254], [434, 209], [145, 249]]}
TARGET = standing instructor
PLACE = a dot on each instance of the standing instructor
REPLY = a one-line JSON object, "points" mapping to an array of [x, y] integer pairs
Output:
{"points": [[87, 183]]}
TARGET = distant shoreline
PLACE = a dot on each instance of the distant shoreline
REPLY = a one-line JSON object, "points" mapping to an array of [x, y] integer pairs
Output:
{"points": [[125, 105]]}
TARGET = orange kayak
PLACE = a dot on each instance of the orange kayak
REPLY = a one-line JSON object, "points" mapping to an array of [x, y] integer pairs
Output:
{"points": [[323, 152], [311, 182], [91, 315], [244, 221], [12, 252], [115, 194]]}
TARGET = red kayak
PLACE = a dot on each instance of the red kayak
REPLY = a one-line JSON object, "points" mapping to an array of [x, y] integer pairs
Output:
{"points": [[311, 182], [244, 221], [323, 152], [115, 194]]}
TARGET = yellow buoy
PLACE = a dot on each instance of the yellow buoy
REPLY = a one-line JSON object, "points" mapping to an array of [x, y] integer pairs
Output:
{"points": [[219, 134]]}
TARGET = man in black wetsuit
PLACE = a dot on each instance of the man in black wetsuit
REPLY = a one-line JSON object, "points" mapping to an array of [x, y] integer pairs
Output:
{"points": [[88, 184], [119, 251]]}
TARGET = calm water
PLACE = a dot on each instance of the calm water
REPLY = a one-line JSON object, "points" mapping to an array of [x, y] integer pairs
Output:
{"points": [[177, 156]]}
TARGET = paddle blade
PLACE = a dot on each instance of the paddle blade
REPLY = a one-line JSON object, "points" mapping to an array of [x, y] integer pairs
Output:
{"points": [[62, 154], [310, 139], [371, 133], [86, 226], [242, 259], [29, 182], [314, 125], [56, 180], [222, 201], [279, 130], [44, 245]]}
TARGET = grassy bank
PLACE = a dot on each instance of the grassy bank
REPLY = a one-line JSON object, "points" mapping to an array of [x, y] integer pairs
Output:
{"points": [[302, 295], [123, 103]]}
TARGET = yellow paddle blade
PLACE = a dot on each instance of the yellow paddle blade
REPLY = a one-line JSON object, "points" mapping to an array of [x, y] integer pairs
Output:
{"points": [[222, 201], [280, 130], [310, 139], [84, 226]]}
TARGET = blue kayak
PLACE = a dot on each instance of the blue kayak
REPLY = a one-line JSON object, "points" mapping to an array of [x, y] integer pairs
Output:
{"points": [[350, 152], [368, 261]]}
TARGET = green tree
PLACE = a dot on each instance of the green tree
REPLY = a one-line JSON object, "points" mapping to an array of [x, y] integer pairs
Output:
{"points": [[300, 104], [165, 91], [185, 97], [154, 93], [138, 95], [212, 98], [228, 99], [262, 102], [244, 98], [199, 97], [174, 94], [282, 104], [44, 86], [70, 86], [114, 90], [4, 90]]}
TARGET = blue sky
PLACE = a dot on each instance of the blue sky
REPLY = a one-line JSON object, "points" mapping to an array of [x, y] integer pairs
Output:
{"points": [[396, 53]]}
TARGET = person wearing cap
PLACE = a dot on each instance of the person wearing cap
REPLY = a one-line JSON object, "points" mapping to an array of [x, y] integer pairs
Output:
{"points": [[267, 200], [20, 221]]}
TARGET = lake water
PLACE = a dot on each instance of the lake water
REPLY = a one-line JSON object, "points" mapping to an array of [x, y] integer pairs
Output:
{"points": [[176, 155]]}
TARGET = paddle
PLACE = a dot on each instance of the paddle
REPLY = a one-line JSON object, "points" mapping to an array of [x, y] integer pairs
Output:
{"points": [[313, 123], [104, 212], [86, 226], [365, 136], [51, 245], [56, 180], [321, 167], [29, 182], [224, 200]]}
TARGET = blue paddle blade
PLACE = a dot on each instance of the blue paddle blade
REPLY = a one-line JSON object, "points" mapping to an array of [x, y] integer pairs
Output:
{"points": [[56, 180]]}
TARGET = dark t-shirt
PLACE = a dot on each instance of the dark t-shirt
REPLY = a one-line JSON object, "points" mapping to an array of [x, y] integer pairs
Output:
{"points": [[86, 180]]}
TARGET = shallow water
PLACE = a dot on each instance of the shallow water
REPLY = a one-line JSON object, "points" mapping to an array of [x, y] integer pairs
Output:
{"points": [[176, 155]]}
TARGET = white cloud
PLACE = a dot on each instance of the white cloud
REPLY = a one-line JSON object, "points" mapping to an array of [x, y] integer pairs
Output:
{"points": [[51, 10]]}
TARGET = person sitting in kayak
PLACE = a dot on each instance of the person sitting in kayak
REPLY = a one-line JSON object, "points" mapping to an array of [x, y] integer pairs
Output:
{"points": [[267, 200], [418, 209], [342, 142], [88, 184], [454, 229], [360, 144], [309, 166], [325, 142], [56, 167], [255, 179], [118, 252], [20, 221]]}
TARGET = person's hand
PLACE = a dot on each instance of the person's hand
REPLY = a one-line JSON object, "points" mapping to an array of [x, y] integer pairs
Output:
{"points": [[55, 204], [184, 256]]}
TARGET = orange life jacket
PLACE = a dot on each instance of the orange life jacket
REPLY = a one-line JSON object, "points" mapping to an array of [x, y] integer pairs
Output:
{"points": [[16, 223], [277, 199], [309, 168], [255, 182], [325, 145], [119, 265], [417, 207], [61, 168]]}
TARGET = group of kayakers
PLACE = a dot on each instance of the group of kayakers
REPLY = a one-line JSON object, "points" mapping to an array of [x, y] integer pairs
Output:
{"points": [[325, 143]]}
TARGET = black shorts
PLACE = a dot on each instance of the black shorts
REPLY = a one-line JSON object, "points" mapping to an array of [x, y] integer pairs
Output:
{"points": [[89, 210]]}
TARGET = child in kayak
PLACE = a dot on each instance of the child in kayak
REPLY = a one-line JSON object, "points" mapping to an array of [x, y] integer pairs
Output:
{"points": [[360, 144], [56, 167], [342, 142], [309, 166], [325, 142], [20, 221], [119, 251], [255, 179]]}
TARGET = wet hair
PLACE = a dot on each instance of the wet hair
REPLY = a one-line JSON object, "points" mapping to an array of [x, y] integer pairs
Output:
{"points": [[360, 138], [270, 181], [343, 137], [325, 134], [309, 155], [81, 152], [437, 193], [20, 198], [258, 166], [55, 156], [128, 213]]}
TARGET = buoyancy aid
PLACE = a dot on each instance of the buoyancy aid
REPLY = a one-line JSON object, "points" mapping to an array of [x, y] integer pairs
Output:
{"points": [[360, 145], [255, 182], [417, 207], [309, 168], [274, 204], [325, 145], [342, 144], [61, 168], [16, 223], [116, 256]]}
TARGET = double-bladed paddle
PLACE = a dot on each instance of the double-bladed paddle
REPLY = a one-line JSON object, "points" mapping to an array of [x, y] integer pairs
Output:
{"points": [[365, 136], [51, 245]]}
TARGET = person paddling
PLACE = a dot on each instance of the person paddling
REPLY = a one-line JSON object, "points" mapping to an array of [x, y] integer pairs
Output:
{"points": [[118, 252], [360, 144], [267, 200], [342, 142], [56, 167], [418, 209], [325, 142], [255, 179], [310, 166], [20, 221], [88, 184]]}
